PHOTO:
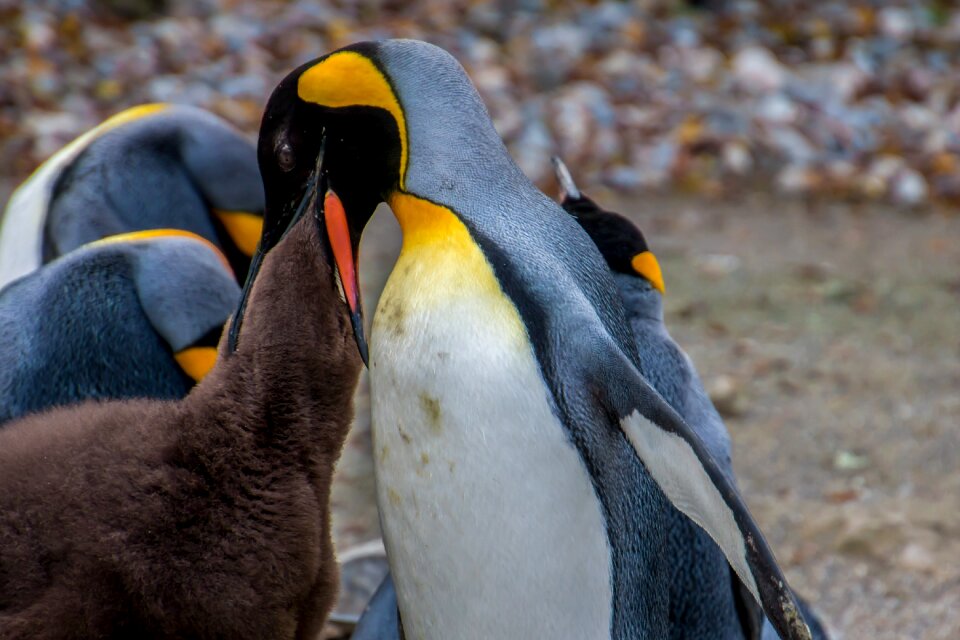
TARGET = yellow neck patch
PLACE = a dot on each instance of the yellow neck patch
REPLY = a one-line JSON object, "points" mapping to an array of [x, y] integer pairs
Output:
{"points": [[440, 263], [150, 234], [647, 266], [349, 79], [196, 362], [244, 229]]}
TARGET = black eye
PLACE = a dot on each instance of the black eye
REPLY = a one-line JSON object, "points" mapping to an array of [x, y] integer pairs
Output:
{"points": [[285, 157]]}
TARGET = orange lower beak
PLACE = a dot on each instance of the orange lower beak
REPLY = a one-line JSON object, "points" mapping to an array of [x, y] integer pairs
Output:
{"points": [[338, 232]]}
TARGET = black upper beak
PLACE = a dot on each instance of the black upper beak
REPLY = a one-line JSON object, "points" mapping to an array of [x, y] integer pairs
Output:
{"points": [[273, 232], [333, 225]]}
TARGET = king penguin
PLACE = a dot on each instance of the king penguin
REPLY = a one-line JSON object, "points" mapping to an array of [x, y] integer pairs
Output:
{"points": [[134, 315], [518, 450], [150, 167], [706, 598]]}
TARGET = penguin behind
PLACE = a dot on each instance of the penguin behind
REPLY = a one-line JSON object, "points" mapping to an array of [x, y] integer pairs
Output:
{"points": [[149, 167], [706, 599], [518, 450], [206, 517], [134, 315]]}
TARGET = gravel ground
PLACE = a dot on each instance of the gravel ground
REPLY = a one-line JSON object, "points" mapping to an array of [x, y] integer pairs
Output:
{"points": [[857, 99], [828, 337]]}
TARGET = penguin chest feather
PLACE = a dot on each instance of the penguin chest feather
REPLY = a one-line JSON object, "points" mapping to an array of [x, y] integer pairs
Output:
{"points": [[489, 515]]}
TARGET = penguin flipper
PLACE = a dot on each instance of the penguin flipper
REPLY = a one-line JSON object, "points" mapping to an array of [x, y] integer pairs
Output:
{"points": [[694, 482], [381, 618]]}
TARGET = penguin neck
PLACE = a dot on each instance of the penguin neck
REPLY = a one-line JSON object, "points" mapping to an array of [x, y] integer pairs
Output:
{"points": [[455, 154], [292, 377], [640, 300]]}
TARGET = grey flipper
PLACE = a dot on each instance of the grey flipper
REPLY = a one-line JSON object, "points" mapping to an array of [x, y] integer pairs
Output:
{"points": [[692, 479], [818, 630], [381, 619]]}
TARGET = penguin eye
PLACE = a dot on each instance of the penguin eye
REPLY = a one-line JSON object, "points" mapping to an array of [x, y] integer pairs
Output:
{"points": [[285, 157]]}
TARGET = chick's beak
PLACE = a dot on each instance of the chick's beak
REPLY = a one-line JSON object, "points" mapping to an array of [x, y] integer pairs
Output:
{"points": [[345, 260]]}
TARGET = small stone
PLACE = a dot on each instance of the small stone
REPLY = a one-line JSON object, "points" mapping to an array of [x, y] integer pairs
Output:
{"points": [[717, 265], [737, 158], [910, 188], [797, 179], [849, 461], [777, 108], [727, 397], [916, 557], [758, 71], [896, 23]]}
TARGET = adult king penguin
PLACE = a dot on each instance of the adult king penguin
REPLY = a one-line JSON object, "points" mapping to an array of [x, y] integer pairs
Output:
{"points": [[135, 315], [514, 437], [706, 599], [149, 167]]}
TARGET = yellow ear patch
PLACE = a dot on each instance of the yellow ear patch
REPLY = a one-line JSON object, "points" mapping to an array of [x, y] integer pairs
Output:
{"points": [[244, 229], [150, 234], [349, 79], [647, 266], [196, 362], [133, 113]]}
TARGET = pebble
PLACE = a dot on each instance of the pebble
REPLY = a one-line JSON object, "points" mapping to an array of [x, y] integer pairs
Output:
{"points": [[910, 188], [727, 396], [858, 97]]}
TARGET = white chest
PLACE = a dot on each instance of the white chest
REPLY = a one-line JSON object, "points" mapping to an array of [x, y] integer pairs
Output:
{"points": [[489, 516]]}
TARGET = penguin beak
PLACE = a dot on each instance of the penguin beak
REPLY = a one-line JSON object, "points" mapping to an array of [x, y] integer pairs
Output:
{"points": [[647, 266], [274, 230], [345, 265]]}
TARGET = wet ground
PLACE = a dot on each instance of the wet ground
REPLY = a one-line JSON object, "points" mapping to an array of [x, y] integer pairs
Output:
{"points": [[829, 336]]}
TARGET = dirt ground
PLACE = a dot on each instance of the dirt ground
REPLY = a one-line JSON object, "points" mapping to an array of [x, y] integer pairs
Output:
{"points": [[829, 336]]}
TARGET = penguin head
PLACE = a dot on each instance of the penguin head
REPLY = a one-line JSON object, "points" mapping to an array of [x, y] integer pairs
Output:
{"points": [[620, 242], [186, 289], [159, 166], [382, 118], [222, 164]]}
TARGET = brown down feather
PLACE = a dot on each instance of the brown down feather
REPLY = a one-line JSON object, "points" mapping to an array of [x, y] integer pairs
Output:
{"points": [[201, 518]]}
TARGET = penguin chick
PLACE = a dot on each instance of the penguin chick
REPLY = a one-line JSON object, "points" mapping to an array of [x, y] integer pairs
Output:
{"points": [[706, 600], [134, 315], [149, 167], [206, 517]]}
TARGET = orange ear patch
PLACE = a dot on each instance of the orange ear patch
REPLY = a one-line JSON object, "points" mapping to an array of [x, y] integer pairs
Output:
{"points": [[647, 266], [196, 362], [243, 228]]}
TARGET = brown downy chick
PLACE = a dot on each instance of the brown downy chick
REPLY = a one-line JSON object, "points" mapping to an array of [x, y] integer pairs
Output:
{"points": [[201, 518]]}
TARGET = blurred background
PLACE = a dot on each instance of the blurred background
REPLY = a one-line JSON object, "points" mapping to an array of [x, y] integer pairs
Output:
{"points": [[794, 164]]}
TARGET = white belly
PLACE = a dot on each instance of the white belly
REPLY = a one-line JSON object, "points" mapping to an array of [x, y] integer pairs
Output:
{"points": [[489, 516]]}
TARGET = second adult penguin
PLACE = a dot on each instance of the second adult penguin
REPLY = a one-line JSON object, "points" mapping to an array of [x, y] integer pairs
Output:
{"points": [[707, 600], [155, 166]]}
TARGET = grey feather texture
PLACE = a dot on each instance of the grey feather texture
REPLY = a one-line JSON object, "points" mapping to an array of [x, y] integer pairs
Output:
{"points": [[104, 322], [156, 167], [166, 170]]}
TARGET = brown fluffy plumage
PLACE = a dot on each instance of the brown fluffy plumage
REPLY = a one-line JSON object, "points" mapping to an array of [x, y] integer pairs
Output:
{"points": [[202, 518]]}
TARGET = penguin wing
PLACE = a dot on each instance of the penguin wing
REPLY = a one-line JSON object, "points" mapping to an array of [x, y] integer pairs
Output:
{"points": [[695, 483], [381, 618]]}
